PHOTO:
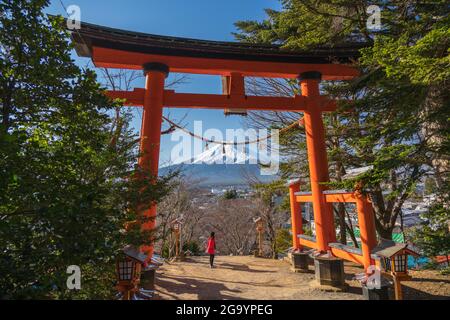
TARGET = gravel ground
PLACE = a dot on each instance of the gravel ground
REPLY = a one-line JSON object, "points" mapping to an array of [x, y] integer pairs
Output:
{"points": [[246, 277]]}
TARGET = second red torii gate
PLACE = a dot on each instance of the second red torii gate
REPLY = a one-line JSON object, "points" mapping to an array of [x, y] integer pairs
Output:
{"points": [[158, 55]]}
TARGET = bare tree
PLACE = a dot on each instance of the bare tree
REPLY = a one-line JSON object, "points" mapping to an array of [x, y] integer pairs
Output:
{"points": [[124, 80], [179, 204], [232, 220]]}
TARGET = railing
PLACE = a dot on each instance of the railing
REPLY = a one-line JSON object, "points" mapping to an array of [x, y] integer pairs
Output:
{"points": [[307, 241], [365, 218]]}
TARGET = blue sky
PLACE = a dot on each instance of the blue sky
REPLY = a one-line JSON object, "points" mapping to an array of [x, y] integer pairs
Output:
{"points": [[202, 19]]}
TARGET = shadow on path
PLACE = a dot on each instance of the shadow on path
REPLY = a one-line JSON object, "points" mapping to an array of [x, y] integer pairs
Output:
{"points": [[414, 294], [239, 267], [204, 290]]}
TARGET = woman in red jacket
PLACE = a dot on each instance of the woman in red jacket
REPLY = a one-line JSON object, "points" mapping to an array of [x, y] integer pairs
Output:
{"points": [[211, 249]]}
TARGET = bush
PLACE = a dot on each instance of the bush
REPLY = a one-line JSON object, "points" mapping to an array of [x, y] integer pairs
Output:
{"points": [[283, 240], [446, 271], [230, 194], [193, 247]]}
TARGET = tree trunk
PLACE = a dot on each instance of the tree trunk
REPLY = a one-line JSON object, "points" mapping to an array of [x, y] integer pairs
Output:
{"points": [[342, 224], [339, 172], [433, 130], [384, 232], [352, 236], [350, 229]]}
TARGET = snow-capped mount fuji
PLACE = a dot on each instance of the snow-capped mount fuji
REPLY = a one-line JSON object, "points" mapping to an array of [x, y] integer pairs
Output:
{"points": [[224, 165]]}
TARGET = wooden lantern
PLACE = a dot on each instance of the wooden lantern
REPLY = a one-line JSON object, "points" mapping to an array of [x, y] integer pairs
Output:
{"points": [[176, 229], [394, 260], [176, 226], [259, 224], [259, 229], [128, 271]]}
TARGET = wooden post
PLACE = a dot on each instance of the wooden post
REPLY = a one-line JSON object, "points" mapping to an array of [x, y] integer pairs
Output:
{"points": [[177, 244], [397, 282], [398, 288], [260, 229], [260, 252]]}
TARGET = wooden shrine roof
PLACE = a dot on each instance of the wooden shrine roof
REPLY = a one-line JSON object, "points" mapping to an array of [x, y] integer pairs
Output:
{"points": [[91, 35]]}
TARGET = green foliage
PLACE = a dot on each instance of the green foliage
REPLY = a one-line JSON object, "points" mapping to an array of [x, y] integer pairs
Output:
{"points": [[193, 247], [400, 108], [434, 236], [165, 250], [430, 186], [446, 271], [230, 194], [308, 231], [267, 191], [283, 240], [67, 182], [426, 61]]}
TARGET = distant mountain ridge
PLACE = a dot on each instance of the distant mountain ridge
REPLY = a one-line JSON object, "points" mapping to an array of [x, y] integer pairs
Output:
{"points": [[222, 166]]}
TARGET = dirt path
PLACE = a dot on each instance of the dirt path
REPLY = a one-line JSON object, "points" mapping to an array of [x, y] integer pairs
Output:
{"points": [[241, 278], [253, 278]]}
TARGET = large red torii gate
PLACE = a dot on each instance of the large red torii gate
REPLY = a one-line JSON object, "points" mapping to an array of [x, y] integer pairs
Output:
{"points": [[159, 55]]}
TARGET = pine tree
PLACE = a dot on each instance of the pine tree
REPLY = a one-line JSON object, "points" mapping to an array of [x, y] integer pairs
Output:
{"points": [[66, 165], [399, 116]]}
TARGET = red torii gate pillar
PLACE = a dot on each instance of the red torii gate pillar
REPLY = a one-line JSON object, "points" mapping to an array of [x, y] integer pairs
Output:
{"points": [[317, 158], [151, 134], [300, 258], [296, 214]]}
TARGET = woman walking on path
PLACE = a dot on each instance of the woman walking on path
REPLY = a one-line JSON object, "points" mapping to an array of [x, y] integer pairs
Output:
{"points": [[211, 249]]}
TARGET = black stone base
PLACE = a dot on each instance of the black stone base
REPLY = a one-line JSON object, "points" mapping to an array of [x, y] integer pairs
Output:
{"points": [[329, 272], [381, 293], [300, 261], [375, 294], [148, 279]]}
